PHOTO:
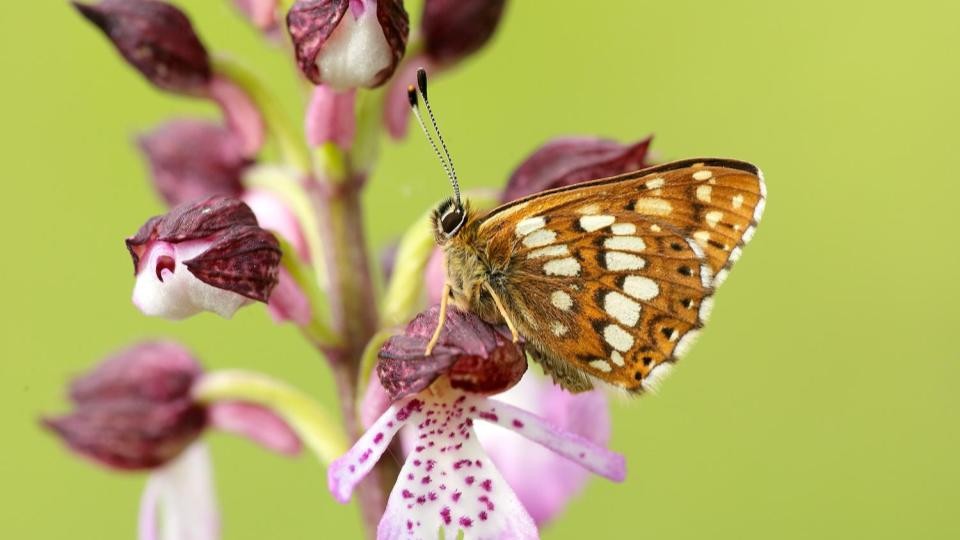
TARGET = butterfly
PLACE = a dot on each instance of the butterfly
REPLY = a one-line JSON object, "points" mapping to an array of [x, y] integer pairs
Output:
{"points": [[607, 280]]}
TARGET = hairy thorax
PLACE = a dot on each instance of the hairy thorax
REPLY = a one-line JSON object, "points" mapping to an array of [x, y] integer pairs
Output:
{"points": [[468, 268]]}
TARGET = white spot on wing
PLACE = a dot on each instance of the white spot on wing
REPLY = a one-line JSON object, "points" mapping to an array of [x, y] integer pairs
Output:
{"points": [[641, 288], [617, 337], [703, 192], [621, 308], [623, 228], [702, 237], [653, 206], [593, 223], [539, 237], [561, 300], [619, 261], [601, 365], [549, 251], [737, 201], [625, 243], [655, 183], [529, 225], [713, 217], [702, 175], [558, 328], [562, 267], [616, 358]]}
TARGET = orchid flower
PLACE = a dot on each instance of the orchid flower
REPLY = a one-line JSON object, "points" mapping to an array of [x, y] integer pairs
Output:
{"points": [[448, 482], [209, 255], [146, 408]]}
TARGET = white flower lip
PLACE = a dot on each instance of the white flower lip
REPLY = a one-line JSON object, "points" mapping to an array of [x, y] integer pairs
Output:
{"points": [[177, 294], [356, 52]]}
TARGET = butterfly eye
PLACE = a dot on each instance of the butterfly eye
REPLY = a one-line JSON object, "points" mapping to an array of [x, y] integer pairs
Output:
{"points": [[451, 219]]}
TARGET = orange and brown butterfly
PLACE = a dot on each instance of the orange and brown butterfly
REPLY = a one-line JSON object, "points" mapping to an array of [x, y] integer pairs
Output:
{"points": [[607, 280]]}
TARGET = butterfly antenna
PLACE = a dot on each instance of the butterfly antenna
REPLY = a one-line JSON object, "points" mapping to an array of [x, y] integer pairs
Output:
{"points": [[448, 163]]}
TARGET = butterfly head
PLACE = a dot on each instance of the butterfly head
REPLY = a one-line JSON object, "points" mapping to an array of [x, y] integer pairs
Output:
{"points": [[449, 218]]}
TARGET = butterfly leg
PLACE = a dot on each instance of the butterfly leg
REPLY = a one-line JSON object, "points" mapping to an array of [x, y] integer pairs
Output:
{"points": [[503, 312], [444, 299]]}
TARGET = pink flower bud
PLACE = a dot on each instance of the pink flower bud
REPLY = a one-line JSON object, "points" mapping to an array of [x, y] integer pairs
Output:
{"points": [[478, 358], [454, 29], [134, 411], [191, 159], [348, 43], [331, 117], [566, 161], [157, 39], [208, 255], [262, 13]]}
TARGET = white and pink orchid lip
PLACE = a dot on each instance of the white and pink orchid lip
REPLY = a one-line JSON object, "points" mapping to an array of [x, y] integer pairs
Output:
{"points": [[204, 255], [448, 482], [165, 287], [545, 482]]}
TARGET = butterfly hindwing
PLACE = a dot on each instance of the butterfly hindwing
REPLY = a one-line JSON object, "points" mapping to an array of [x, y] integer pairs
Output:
{"points": [[612, 279]]}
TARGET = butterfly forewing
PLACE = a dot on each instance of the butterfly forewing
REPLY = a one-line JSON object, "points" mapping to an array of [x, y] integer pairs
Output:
{"points": [[613, 278]]}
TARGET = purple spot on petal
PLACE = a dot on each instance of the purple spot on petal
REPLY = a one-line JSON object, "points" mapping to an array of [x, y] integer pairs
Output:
{"points": [[465, 522], [517, 424], [406, 494], [353, 468], [410, 525], [365, 455], [469, 480], [445, 514], [377, 438], [410, 476], [456, 496], [488, 416], [487, 485], [421, 499], [482, 515], [425, 480], [432, 496]]}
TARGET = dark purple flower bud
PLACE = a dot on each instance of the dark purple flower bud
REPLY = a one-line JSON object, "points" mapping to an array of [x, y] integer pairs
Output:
{"points": [[454, 29], [208, 255], [157, 39], [477, 357], [348, 43], [192, 159], [567, 161], [134, 411]]}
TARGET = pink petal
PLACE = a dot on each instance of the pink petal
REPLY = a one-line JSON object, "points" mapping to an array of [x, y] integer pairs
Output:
{"points": [[288, 302], [375, 401], [273, 214], [449, 483], [331, 118], [241, 113], [578, 449], [544, 480], [435, 277], [347, 471], [262, 13], [256, 423]]}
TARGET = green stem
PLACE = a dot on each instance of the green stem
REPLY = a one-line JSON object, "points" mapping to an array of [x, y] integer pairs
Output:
{"points": [[311, 422]]}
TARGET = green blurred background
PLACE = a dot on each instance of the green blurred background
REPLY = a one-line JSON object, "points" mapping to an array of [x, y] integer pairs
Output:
{"points": [[822, 400]]}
